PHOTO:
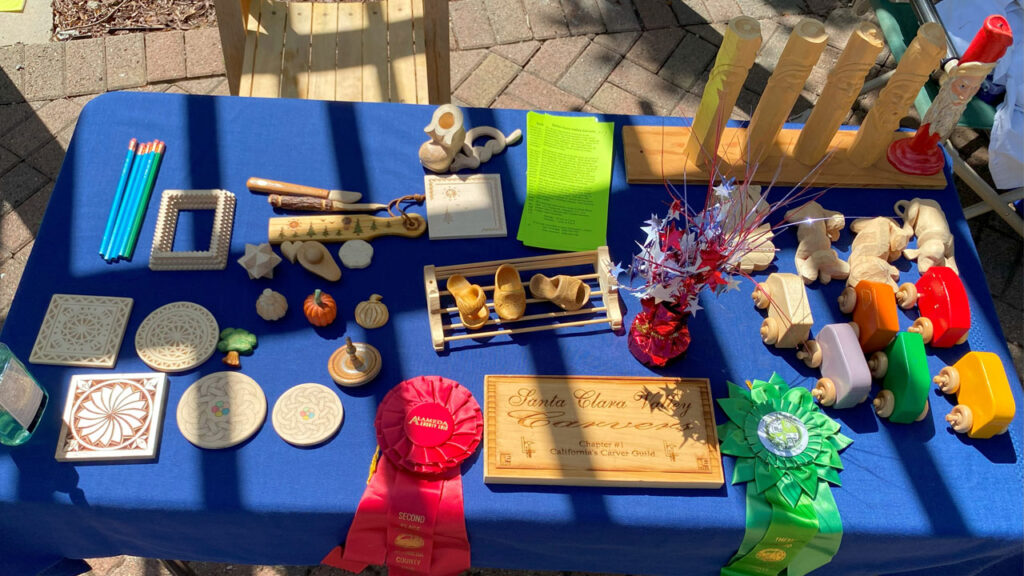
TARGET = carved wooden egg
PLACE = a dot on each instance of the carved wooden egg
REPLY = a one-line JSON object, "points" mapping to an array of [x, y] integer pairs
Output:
{"points": [[371, 313]]}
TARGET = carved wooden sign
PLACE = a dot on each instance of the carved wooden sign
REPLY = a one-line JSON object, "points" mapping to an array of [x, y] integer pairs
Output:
{"points": [[600, 431]]}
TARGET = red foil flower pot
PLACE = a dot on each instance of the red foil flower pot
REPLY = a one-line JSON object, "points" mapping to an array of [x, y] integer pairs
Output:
{"points": [[659, 333]]}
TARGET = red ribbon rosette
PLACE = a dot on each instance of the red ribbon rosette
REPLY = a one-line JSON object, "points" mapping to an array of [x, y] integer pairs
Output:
{"points": [[411, 515]]}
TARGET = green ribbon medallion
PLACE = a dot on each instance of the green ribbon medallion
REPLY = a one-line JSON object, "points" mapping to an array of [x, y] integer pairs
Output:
{"points": [[789, 451]]}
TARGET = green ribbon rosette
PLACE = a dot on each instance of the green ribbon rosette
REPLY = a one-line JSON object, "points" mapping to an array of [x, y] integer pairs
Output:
{"points": [[788, 450]]}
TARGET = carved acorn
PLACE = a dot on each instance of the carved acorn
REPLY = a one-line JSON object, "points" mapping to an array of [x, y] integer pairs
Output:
{"points": [[319, 308], [271, 305], [371, 313]]}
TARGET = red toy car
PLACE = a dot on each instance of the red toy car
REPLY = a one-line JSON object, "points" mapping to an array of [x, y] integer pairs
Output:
{"points": [[945, 313]]}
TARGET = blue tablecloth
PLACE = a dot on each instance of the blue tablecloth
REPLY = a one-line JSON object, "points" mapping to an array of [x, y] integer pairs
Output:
{"points": [[914, 497]]}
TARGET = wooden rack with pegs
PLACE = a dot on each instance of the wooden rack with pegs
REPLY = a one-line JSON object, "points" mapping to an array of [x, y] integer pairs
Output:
{"points": [[445, 325]]}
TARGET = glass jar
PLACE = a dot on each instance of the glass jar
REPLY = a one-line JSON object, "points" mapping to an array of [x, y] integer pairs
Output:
{"points": [[22, 400]]}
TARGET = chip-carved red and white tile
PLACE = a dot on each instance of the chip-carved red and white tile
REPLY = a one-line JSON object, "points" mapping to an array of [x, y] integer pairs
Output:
{"points": [[112, 417]]}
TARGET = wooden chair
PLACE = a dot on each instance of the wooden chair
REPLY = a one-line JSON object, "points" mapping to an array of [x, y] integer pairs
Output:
{"points": [[386, 51]]}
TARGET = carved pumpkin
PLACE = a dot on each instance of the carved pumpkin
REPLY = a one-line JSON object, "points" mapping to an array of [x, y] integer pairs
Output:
{"points": [[372, 313], [271, 305], [320, 308]]}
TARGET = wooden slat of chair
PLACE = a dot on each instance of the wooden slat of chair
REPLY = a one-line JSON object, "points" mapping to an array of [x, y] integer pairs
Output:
{"points": [[435, 39], [371, 52], [266, 72], [295, 64], [418, 40], [323, 53], [401, 53], [375, 52], [349, 75], [248, 54]]}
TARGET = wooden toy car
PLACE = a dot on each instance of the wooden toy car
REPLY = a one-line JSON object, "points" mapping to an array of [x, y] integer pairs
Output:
{"points": [[789, 314], [904, 367], [845, 378], [984, 400], [875, 318], [945, 313]]}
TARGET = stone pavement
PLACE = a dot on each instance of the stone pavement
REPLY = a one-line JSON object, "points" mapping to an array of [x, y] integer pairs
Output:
{"points": [[614, 56]]}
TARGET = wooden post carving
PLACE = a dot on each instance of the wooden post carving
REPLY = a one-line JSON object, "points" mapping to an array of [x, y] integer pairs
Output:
{"points": [[735, 57], [802, 51], [841, 89], [921, 57]]}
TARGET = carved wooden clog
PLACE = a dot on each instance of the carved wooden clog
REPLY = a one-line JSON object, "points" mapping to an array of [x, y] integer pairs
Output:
{"points": [[567, 292], [509, 295], [471, 301], [313, 256]]}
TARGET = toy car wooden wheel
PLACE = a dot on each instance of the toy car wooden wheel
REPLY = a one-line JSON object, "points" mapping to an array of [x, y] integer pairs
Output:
{"points": [[824, 392], [847, 300], [770, 330], [948, 380], [924, 412], [960, 418], [811, 354], [906, 296], [879, 365], [856, 329], [884, 404], [963, 338], [923, 326], [760, 296]]}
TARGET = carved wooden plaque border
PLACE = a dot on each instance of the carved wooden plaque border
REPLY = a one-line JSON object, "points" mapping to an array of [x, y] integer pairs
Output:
{"points": [[600, 431]]}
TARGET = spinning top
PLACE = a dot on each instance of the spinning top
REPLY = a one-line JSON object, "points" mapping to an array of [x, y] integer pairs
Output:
{"points": [[354, 364]]}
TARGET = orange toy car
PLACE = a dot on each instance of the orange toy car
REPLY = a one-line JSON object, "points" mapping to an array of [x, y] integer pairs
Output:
{"points": [[984, 400], [875, 319]]}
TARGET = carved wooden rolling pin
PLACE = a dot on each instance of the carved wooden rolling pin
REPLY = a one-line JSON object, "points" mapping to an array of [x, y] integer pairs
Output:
{"points": [[310, 204], [264, 186]]}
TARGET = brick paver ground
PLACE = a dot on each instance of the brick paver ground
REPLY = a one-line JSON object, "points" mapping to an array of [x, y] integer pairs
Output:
{"points": [[612, 56]]}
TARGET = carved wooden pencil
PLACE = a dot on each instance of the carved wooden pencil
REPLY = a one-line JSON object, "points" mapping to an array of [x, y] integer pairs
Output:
{"points": [[841, 90], [804, 47], [735, 57], [921, 57]]}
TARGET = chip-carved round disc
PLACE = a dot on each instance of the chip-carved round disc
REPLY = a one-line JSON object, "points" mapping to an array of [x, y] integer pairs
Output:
{"points": [[346, 373], [307, 414], [177, 337], [221, 410]]}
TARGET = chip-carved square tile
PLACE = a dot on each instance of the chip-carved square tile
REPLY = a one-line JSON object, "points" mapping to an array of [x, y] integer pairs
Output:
{"points": [[82, 331], [163, 256], [112, 417]]}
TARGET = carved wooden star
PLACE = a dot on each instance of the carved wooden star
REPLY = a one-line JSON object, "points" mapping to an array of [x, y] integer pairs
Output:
{"points": [[259, 261]]}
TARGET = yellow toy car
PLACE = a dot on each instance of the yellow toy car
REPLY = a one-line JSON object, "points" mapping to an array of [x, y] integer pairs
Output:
{"points": [[984, 400]]}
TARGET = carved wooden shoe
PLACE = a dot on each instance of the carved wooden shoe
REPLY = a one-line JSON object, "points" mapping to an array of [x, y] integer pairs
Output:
{"points": [[471, 301], [509, 295], [567, 292]]}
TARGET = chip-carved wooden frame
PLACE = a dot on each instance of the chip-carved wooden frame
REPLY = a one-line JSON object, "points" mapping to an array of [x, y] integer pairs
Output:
{"points": [[163, 256]]}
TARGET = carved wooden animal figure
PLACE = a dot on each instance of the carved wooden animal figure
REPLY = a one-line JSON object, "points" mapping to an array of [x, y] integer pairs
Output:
{"points": [[817, 229], [926, 220], [878, 241]]}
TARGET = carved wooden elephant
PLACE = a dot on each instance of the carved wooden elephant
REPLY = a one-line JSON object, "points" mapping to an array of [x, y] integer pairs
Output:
{"points": [[878, 241], [817, 229], [926, 220]]}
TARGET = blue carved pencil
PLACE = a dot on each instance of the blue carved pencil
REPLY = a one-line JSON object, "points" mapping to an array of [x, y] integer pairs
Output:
{"points": [[115, 207], [152, 167], [134, 182]]}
